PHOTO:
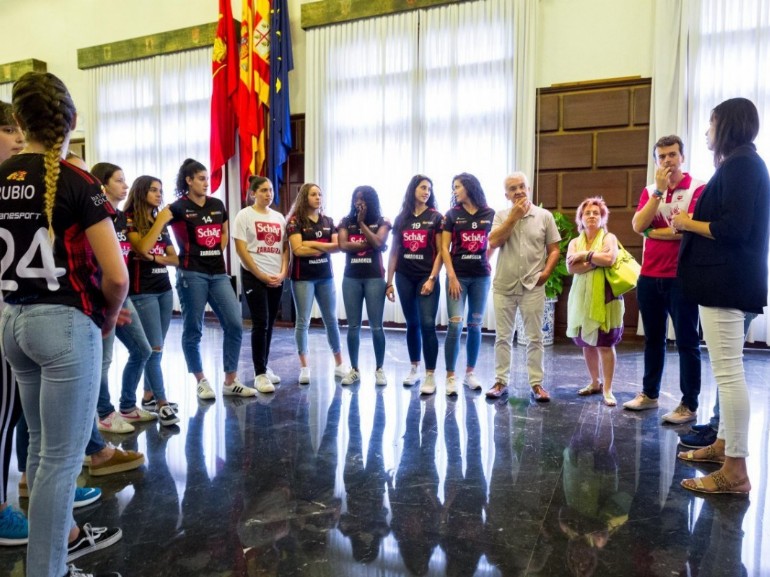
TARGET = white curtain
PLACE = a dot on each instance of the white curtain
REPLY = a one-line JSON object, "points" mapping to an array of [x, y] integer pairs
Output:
{"points": [[428, 91], [729, 56], [5, 91]]}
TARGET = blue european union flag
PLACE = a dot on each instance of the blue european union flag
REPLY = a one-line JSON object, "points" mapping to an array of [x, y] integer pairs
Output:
{"points": [[281, 61]]}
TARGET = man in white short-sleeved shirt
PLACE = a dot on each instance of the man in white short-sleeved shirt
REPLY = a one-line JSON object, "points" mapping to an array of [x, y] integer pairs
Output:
{"points": [[529, 251]]}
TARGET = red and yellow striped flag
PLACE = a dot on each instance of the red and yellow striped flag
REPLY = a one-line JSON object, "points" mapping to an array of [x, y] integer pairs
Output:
{"points": [[254, 87]]}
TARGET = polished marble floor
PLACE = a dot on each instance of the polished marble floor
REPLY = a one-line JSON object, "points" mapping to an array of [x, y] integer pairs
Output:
{"points": [[355, 481]]}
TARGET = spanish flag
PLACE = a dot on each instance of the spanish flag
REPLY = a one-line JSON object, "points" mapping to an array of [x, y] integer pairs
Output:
{"points": [[224, 71], [253, 88]]}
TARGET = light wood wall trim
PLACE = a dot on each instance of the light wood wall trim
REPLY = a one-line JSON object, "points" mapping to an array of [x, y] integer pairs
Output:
{"points": [[12, 71], [325, 12], [147, 46]]}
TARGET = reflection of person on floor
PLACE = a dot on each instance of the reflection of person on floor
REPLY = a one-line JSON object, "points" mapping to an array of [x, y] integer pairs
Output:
{"points": [[717, 539], [365, 521], [516, 504], [464, 497], [318, 510], [596, 506], [210, 507], [414, 496]]}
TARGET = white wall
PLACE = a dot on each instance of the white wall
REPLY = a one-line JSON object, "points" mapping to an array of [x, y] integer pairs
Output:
{"points": [[578, 39]]}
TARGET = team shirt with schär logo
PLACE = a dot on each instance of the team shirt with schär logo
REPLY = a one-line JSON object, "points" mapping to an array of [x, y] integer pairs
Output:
{"points": [[470, 238], [416, 241], [33, 271], [264, 235], [312, 267], [198, 232], [121, 231], [366, 263], [148, 276]]}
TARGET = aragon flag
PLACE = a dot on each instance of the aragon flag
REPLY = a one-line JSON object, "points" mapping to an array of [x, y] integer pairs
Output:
{"points": [[281, 62], [224, 71], [253, 88]]}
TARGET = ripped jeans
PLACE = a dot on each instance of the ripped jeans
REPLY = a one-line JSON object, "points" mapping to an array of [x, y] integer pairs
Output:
{"points": [[475, 291]]}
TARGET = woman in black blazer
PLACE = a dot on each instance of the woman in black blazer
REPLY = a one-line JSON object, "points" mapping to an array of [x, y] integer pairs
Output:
{"points": [[723, 267]]}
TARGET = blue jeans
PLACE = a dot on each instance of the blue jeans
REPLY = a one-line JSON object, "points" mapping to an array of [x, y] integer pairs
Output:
{"points": [[420, 316], [195, 289], [56, 354], [154, 309], [132, 336], [659, 297], [714, 420], [354, 292], [475, 291], [323, 291]]}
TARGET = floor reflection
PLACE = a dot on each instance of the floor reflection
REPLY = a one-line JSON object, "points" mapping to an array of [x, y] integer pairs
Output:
{"points": [[325, 480]]}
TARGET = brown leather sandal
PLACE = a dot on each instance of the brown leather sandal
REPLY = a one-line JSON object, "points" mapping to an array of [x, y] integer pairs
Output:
{"points": [[722, 485], [709, 456]]}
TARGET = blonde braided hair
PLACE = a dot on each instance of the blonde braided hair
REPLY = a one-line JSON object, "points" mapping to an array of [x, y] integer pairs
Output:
{"points": [[46, 113]]}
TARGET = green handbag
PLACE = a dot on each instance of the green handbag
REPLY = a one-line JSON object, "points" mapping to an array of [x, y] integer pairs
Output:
{"points": [[623, 275]]}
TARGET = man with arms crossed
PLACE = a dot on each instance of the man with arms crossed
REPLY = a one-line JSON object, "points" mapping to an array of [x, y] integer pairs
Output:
{"points": [[529, 251], [659, 291]]}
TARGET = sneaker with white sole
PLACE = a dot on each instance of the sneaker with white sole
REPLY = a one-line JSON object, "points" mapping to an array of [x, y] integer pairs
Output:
{"points": [[167, 416], [263, 385], [304, 375], [14, 527], [92, 539], [275, 379], [205, 392], [641, 402], [380, 379], [151, 405], [413, 377], [451, 386], [680, 415], [352, 377], [341, 371], [73, 571], [428, 386], [238, 389], [472, 382], [84, 496], [114, 423], [137, 415]]}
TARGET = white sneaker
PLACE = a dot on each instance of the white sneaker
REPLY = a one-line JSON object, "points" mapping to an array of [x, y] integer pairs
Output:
{"points": [[263, 385], [451, 386], [413, 377], [428, 385], [275, 379], [341, 371], [641, 402], [351, 377], [680, 416], [379, 378], [472, 382], [114, 423], [238, 389], [205, 391], [304, 375]]}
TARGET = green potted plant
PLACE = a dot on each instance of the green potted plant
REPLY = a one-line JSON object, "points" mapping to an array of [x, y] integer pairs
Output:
{"points": [[555, 283]]}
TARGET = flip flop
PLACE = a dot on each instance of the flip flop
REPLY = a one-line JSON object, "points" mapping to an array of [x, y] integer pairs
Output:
{"points": [[721, 485], [710, 456], [610, 400]]}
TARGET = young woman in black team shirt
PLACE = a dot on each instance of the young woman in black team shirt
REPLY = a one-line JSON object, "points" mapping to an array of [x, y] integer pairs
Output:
{"points": [[415, 259], [150, 288], [63, 281], [313, 237], [362, 236], [200, 225], [131, 335], [464, 241]]}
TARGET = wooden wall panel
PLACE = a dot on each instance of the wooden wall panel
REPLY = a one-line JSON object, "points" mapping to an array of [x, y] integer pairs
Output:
{"points": [[615, 167], [561, 151], [594, 109], [622, 148]]}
